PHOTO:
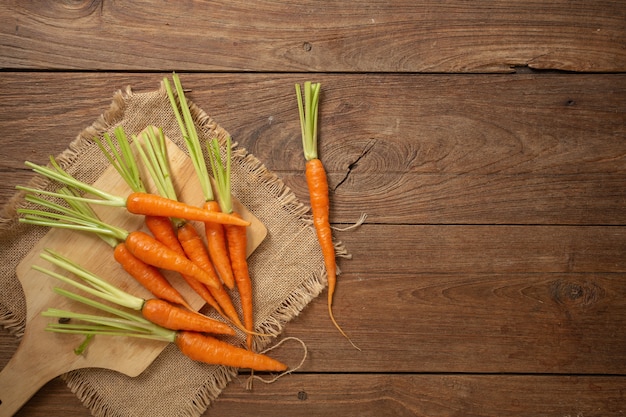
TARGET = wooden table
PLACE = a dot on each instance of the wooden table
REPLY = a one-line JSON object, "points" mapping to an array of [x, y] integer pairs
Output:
{"points": [[486, 141]]}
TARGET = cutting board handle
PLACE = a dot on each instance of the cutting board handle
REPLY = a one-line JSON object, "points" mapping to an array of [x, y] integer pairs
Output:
{"points": [[24, 375]]}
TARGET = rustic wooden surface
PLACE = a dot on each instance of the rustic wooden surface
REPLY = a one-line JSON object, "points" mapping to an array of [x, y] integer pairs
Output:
{"points": [[486, 141]]}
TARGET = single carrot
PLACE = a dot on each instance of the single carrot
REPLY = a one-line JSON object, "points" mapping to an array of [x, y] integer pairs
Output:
{"points": [[197, 252], [196, 346], [237, 242], [218, 249], [164, 314], [163, 230], [155, 253], [214, 232], [148, 276], [156, 310], [236, 237], [317, 183], [213, 351], [136, 202]]}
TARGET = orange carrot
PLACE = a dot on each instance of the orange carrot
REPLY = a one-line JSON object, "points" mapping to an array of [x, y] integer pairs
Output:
{"points": [[148, 276], [196, 251], [165, 314], [218, 250], [213, 351], [237, 243], [163, 230], [317, 183], [155, 205], [155, 253]]}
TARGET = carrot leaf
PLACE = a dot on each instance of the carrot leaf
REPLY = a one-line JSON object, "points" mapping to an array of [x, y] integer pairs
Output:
{"points": [[58, 174], [221, 173], [190, 134], [97, 285], [123, 161], [308, 110]]}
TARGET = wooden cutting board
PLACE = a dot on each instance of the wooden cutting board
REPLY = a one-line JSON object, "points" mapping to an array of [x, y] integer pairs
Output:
{"points": [[43, 355]]}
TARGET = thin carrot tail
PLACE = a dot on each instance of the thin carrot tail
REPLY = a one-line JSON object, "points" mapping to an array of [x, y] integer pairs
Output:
{"points": [[213, 351]]}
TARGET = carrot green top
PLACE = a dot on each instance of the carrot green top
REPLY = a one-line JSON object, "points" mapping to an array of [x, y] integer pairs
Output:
{"points": [[308, 117], [190, 135]]}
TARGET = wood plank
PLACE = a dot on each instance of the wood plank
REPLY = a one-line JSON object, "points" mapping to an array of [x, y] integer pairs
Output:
{"points": [[429, 36], [474, 149], [427, 395], [395, 395]]}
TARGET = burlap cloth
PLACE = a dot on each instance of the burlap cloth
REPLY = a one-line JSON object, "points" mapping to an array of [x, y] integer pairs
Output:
{"points": [[287, 268]]}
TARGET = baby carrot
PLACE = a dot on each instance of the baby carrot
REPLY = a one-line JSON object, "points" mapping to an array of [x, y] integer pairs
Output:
{"points": [[237, 241], [317, 183], [140, 244], [135, 203], [155, 253], [218, 250], [164, 314], [148, 276], [213, 351]]}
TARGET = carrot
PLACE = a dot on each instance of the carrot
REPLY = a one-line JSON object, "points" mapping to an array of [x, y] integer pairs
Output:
{"points": [[237, 242], [317, 183], [148, 276], [213, 351], [155, 310], [214, 232], [236, 237], [194, 345], [164, 314], [136, 202], [153, 252], [218, 249], [196, 251]]}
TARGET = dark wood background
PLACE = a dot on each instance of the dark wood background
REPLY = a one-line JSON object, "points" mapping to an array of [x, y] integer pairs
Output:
{"points": [[485, 140]]}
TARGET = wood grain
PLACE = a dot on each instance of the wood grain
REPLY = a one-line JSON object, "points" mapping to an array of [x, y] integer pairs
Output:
{"points": [[474, 149], [373, 36], [396, 395], [485, 141]]}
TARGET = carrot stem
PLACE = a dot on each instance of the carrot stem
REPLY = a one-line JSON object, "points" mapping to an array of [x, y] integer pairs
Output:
{"points": [[123, 161], [190, 134]]}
